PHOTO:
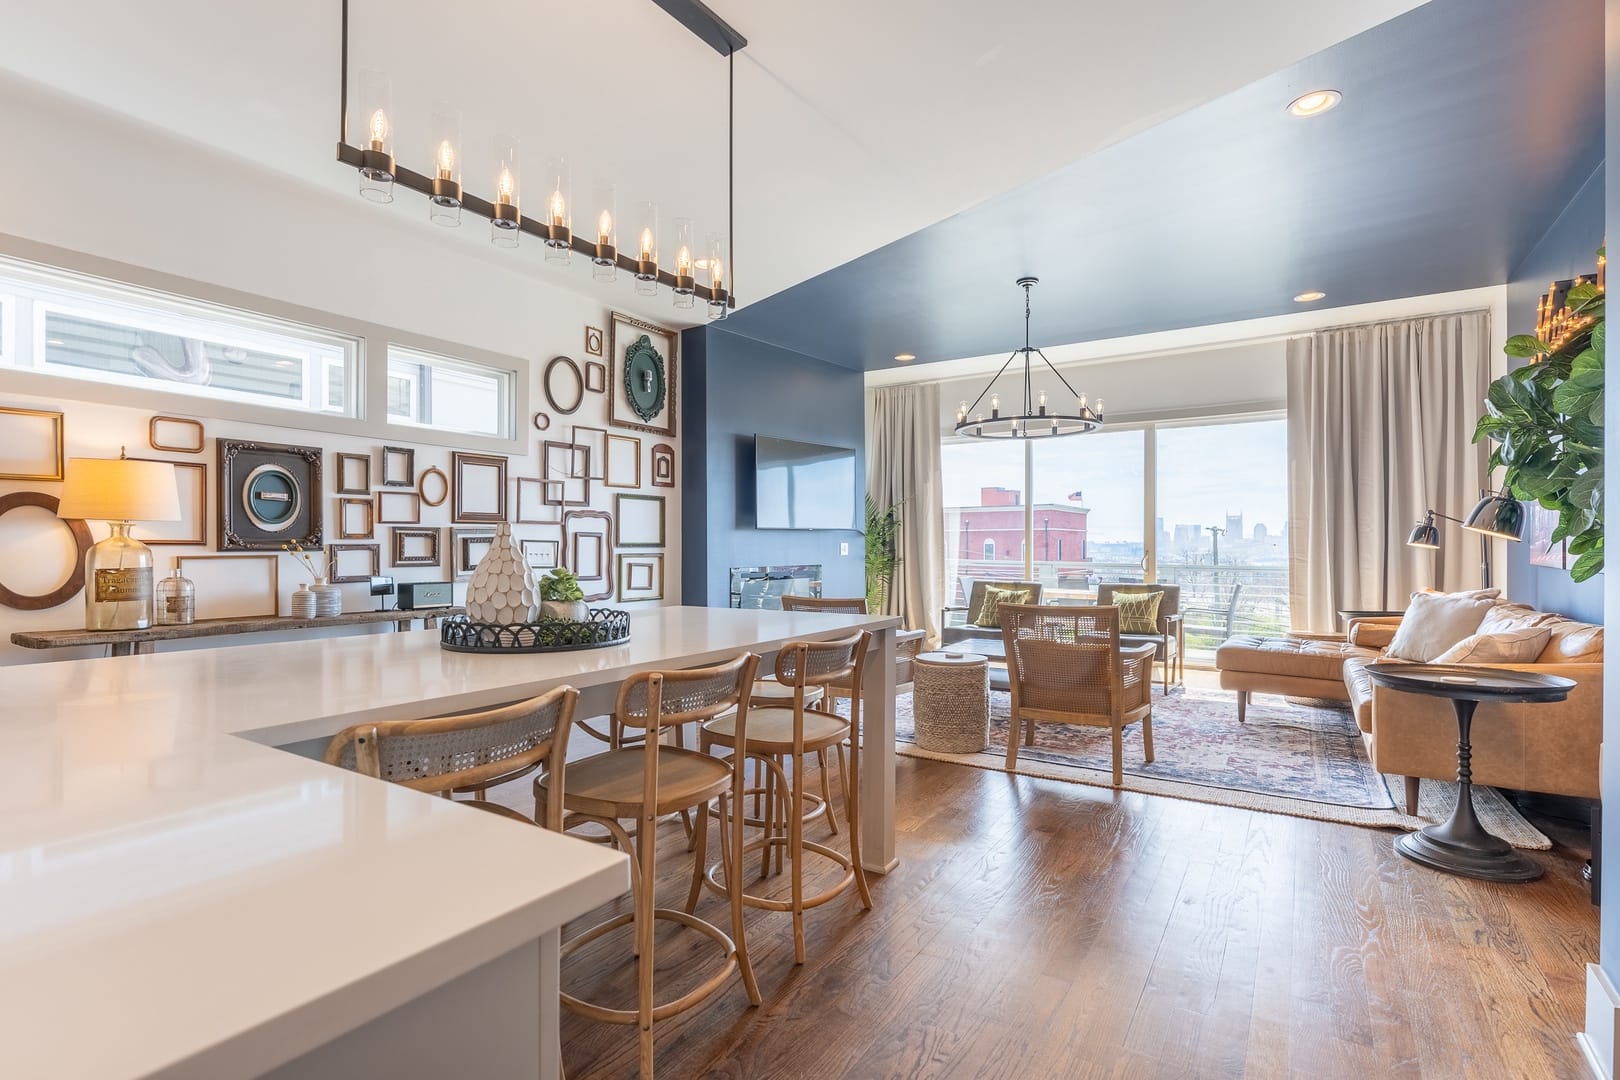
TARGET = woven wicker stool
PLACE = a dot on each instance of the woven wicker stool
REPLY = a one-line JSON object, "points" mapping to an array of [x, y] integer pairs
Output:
{"points": [[951, 702]]}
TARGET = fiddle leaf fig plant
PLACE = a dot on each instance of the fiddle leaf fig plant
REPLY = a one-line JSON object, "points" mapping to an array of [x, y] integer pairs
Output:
{"points": [[1545, 424]]}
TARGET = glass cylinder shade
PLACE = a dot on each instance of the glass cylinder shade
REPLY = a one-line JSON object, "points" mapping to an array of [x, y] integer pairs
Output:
{"points": [[444, 205], [715, 262], [685, 264], [506, 217], [558, 212], [376, 137], [605, 263], [647, 249]]}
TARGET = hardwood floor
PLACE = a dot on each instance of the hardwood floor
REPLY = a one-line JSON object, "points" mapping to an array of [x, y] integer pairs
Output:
{"points": [[1042, 929]]}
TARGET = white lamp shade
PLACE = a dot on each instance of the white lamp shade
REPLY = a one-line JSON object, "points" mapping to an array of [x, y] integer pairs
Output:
{"points": [[118, 489]]}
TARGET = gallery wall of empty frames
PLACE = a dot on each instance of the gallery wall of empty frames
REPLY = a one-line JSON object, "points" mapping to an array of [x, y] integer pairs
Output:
{"points": [[409, 510]]}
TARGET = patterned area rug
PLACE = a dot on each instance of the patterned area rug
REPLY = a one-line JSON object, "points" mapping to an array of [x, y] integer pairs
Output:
{"points": [[1287, 759]]}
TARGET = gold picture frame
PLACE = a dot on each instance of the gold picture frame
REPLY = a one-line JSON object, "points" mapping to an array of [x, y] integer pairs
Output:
{"points": [[42, 427]]}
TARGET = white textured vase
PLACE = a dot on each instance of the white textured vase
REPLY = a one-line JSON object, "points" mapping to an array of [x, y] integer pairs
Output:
{"points": [[503, 589], [303, 602], [328, 598]]}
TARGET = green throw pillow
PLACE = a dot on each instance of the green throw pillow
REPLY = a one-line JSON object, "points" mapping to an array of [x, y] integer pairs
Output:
{"points": [[1138, 611], [994, 597]]}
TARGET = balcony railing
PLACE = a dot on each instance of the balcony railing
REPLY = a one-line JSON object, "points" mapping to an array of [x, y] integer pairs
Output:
{"points": [[1206, 594]]}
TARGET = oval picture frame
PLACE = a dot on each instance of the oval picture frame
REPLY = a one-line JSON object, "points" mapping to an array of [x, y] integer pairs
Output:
{"points": [[75, 580], [569, 401], [422, 485]]}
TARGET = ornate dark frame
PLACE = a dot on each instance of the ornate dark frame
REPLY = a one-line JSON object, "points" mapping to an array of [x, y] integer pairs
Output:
{"points": [[618, 342], [571, 537], [236, 531]]}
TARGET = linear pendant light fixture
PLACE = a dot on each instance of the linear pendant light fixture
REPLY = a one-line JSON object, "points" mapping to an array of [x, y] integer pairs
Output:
{"points": [[1035, 421], [380, 172]]}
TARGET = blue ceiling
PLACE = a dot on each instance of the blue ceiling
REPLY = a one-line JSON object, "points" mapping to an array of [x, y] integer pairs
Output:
{"points": [[1466, 126]]}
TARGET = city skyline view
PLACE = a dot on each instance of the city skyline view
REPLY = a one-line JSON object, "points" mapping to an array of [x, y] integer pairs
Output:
{"points": [[1205, 473]]}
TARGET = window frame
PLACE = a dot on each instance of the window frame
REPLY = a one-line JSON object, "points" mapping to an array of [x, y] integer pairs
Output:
{"points": [[47, 291], [506, 383], [22, 258]]}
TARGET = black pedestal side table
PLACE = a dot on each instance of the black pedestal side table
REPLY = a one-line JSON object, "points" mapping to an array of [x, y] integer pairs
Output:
{"points": [[1461, 845]]}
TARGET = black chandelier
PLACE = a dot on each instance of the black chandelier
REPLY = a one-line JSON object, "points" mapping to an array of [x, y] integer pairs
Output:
{"points": [[380, 172], [1035, 421]]}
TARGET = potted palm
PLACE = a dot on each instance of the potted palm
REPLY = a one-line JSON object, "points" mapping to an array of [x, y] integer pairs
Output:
{"points": [[562, 598], [882, 552]]}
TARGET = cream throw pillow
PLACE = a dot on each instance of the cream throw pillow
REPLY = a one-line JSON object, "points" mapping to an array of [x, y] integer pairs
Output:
{"points": [[1506, 647], [1434, 622]]}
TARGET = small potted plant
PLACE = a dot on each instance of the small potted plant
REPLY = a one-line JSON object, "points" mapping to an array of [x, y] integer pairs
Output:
{"points": [[562, 598]]}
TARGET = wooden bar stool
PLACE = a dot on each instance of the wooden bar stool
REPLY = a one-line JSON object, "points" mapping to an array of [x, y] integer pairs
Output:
{"points": [[649, 781], [467, 751], [773, 734]]}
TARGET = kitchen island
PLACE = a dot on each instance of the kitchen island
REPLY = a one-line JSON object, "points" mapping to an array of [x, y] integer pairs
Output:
{"points": [[178, 898]]}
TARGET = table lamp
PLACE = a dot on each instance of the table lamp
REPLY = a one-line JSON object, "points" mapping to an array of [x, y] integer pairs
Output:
{"points": [[1496, 514], [118, 571]]}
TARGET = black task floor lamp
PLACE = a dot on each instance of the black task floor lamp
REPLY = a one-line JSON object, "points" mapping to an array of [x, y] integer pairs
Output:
{"points": [[1495, 515]]}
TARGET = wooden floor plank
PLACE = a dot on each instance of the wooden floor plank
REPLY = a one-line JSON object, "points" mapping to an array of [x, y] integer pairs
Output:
{"points": [[1041, 929]]}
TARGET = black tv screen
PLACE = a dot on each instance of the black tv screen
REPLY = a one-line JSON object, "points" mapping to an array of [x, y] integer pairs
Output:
{"points": [[802, 485]]}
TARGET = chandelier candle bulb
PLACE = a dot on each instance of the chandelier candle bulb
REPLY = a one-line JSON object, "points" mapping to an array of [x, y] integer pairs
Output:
{"points": [[444, 203], [377, 159], [605, 261], [506, 220], [685, 283], [559, 231]]}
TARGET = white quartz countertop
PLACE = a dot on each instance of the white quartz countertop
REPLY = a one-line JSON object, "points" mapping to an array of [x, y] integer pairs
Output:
{"points": [[178, 898]]}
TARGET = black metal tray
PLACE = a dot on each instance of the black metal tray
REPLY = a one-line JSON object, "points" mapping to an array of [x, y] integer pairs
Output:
{"points": [[606, 626]]}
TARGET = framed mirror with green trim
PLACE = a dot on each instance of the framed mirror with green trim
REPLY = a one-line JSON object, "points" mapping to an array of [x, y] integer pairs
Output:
{"points": [[642, 374]]}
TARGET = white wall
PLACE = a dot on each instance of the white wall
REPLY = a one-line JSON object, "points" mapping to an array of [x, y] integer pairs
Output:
{"points": [[103, 187]]}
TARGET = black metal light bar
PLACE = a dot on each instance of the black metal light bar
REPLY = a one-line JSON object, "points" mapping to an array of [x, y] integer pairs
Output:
{"points": [[705, 25], [696, 17]]}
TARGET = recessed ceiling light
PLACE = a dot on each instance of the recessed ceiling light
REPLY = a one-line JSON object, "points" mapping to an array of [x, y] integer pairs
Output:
{"points": [[1314, 103], [905, 358], [1309, 297]]}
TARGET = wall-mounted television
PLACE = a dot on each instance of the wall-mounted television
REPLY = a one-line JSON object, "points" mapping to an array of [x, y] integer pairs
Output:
{"points": [[802, 485]]}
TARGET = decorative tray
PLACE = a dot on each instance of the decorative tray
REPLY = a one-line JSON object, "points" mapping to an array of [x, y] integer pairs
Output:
{"points": [[606, 626]]}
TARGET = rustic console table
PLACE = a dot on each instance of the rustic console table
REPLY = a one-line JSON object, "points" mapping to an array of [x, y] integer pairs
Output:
{"points": [[140, 642]]}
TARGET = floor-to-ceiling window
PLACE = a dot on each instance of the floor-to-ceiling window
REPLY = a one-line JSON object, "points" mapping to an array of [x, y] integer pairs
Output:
{"points": [[1087, 516], [984, 513], [1221, 493], [1201, 504]]}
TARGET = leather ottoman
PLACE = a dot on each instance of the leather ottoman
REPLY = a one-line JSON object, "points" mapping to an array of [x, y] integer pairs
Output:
{"points": [[1298, 667]]}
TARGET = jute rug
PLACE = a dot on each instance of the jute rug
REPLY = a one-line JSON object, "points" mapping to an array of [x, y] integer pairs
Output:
{"points": [[1287, 759]]}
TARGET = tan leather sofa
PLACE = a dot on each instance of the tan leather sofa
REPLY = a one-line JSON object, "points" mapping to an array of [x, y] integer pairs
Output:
{"points": [[1531, 747]]}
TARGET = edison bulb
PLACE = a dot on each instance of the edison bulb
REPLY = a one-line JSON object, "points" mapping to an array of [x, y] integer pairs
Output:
{"points": [[559, 208], [683, 262], [379, 129], [505, 186], [646, 245], [447, 160], [717, 272], [604, 227]]}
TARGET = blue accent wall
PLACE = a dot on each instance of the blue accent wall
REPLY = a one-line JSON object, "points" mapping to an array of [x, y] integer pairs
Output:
{"points": [[734, 388], [1568, 248]]}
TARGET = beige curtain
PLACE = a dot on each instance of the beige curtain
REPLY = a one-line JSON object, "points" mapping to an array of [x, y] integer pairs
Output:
{"points": [[1380, 422], [902, 467]]}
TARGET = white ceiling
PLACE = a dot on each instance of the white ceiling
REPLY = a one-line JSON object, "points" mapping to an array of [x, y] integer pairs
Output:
{"points": [[857, 122]]}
